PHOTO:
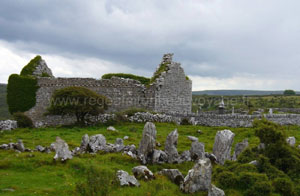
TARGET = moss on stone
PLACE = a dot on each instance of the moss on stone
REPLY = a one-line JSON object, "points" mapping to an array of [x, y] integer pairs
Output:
{"points": [[142, 79], [31, 66], [162, 68]]}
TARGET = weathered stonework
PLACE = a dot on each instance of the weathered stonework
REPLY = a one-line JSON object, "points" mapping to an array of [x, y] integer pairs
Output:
{"points": [[171, 92]]}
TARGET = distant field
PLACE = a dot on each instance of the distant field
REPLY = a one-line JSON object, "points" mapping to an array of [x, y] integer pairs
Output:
{"points": [[254, 102], [4, 114]]}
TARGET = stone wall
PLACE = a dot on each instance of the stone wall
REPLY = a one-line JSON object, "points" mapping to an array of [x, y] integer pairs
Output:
{"points": [[171, 93], [173, 89]]}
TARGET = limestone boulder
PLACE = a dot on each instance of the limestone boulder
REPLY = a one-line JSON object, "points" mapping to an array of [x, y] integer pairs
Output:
{"points": [[85, 140], [62, 151], [20, 146], [239, 148], [185, 156], [147, 144], [174, 175], [197, 150], [198, 178], [126, 180], [119, 145], [192, 138], [159, 157], [291, 141], [40, 148], [211, 157], [215, 191], [171, 147], [97, 142], [222, 145], [111, 128], [142, 173]]}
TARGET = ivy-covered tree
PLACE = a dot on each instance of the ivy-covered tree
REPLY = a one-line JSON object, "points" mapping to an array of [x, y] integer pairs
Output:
{"points": [[77, 101]]}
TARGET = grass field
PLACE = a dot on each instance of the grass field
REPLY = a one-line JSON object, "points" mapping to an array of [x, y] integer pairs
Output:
{"points": [[37, 174]]}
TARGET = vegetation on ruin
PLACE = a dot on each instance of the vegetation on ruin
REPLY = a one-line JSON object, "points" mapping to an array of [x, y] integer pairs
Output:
{"points": [[4, 113], [162, 68], [31, 66], [78, 101], [142, 79], [37, 174], [22, 120], [21, 93]]}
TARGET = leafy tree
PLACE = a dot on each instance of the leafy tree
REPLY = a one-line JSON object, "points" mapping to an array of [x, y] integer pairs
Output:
{"points": [[77, 101], [289, 92]]}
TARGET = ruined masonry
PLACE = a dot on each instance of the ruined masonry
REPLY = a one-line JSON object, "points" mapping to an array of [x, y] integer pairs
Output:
{"points": [[170, 93]]}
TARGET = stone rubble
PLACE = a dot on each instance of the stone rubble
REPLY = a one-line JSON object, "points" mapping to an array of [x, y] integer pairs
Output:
{"points": [[62, 150], [192, 138], [111, 128], [291, 141], [171, 147], [142, 173], [239, 148], [8, 125], [126, 180], [198, 178], [174, 175], [214, 191], [197, 150], [222, 145]]}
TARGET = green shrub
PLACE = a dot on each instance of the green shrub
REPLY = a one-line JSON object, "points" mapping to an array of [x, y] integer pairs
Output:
{"points": [[247, 155], [248, 179], [78, 101], [21, 93], [23, 120], [245, 168], [259, 189], [185, 121], [142, 79], [31, 66], [284, 186], [227, 179]]}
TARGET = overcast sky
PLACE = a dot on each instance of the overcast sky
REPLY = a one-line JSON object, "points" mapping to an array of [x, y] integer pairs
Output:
{"points": [[222, 44]]}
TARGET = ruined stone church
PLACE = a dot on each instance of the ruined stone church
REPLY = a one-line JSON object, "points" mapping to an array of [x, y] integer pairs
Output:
{"points": [[170, 92]]}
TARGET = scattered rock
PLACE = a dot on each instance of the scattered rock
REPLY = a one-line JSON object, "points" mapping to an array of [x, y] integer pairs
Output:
{"points": [[211, 157], [197, 150], [239, 148], [222, 145], [291, 141], [20, 146], [40, 148], [171, 147], [4, 146], [84, 143], [159, 157], [111, 128], [261, 146], [214, 191], [62, 150], [147, 144], [97, 142], [8, 125], [255, 162], [192, 138], [142, 172], [126, 180], [200, 132], [126, 137], [119, 145], [185, 156], [174, 175], [198, 178], [158, 144]]}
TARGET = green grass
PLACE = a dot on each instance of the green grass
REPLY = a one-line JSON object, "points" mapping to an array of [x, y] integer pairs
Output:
{"points": [[37, 174]]}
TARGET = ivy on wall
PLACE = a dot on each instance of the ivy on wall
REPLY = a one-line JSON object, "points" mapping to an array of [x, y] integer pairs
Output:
{"points": [[21, 93]]}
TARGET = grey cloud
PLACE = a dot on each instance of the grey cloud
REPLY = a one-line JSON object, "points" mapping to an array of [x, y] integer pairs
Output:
{"points": [[211, 38]]}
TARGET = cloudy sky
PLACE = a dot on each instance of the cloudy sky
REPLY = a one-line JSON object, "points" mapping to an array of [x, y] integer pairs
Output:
{"points": [[222, 44]]}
